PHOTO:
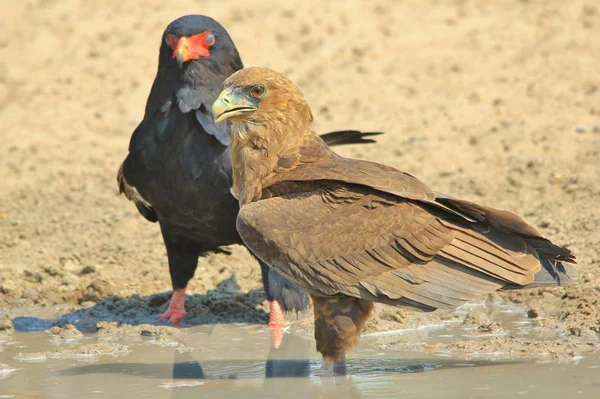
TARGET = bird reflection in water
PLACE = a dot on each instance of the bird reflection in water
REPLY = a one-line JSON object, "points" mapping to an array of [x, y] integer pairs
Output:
{"points": [[287, 370]]}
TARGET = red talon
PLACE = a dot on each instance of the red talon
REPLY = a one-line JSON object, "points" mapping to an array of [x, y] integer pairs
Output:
{"points": [[176, 311]]}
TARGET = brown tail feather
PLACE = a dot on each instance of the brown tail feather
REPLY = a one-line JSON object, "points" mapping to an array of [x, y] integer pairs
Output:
{"points": [[553, 273], [508, 222], [546, 249]]}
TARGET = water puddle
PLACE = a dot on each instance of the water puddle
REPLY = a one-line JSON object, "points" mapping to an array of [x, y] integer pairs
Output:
{"points": [[238, 360]]}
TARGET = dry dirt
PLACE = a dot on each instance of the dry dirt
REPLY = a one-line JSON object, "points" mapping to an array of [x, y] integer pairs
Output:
{"points": [[495, 102]]}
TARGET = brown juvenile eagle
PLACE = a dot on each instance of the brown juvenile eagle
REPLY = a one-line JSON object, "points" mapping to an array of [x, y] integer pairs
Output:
{"points": [[353, 232]]}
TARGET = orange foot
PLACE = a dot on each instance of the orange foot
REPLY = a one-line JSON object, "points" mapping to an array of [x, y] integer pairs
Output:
{"points": [[174, 316], [276, 322], [176, 311]]}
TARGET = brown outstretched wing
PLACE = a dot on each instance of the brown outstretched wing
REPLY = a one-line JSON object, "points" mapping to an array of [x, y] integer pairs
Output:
{"points": [[353, 240]]}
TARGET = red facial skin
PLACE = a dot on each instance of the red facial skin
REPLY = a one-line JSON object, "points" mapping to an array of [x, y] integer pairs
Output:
{"points": [[188, 48]]}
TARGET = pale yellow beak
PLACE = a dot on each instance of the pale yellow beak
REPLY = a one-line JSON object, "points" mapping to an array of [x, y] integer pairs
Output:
{"points": [[232, 103]]}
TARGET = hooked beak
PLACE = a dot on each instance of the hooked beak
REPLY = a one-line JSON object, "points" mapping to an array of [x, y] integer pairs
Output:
{"points": [[182, 51], [232, 103]]}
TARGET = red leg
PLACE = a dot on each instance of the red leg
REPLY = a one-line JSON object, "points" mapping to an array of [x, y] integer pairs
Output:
{"points": [[176, 311], [276, 322], [276, 319]]}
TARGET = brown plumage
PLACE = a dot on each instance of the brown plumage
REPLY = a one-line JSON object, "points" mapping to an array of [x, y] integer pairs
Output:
{"points": [[353, 232]]}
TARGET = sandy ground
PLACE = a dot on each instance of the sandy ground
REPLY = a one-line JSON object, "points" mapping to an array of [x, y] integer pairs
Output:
{"points": [[496, 103]]}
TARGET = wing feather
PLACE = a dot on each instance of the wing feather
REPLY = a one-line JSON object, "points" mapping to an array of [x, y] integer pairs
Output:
{"points": [[352, 240], [132, 194]]}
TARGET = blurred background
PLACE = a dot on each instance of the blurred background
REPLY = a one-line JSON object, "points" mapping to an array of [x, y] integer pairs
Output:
{"points": [[495, 102]]}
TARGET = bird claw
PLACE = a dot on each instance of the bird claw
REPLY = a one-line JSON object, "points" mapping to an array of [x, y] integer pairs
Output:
{"points": [[176, 310], [173, 316]]}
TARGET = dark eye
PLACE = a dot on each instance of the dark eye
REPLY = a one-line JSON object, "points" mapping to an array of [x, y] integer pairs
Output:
{"points": [[210, 39], [257, 91]]}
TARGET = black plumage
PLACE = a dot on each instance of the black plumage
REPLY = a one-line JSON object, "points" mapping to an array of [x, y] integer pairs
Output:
{"points": [[178, 170]]}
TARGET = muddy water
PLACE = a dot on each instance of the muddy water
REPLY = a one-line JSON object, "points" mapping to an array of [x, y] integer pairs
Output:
{"points": [[239, 361]]}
